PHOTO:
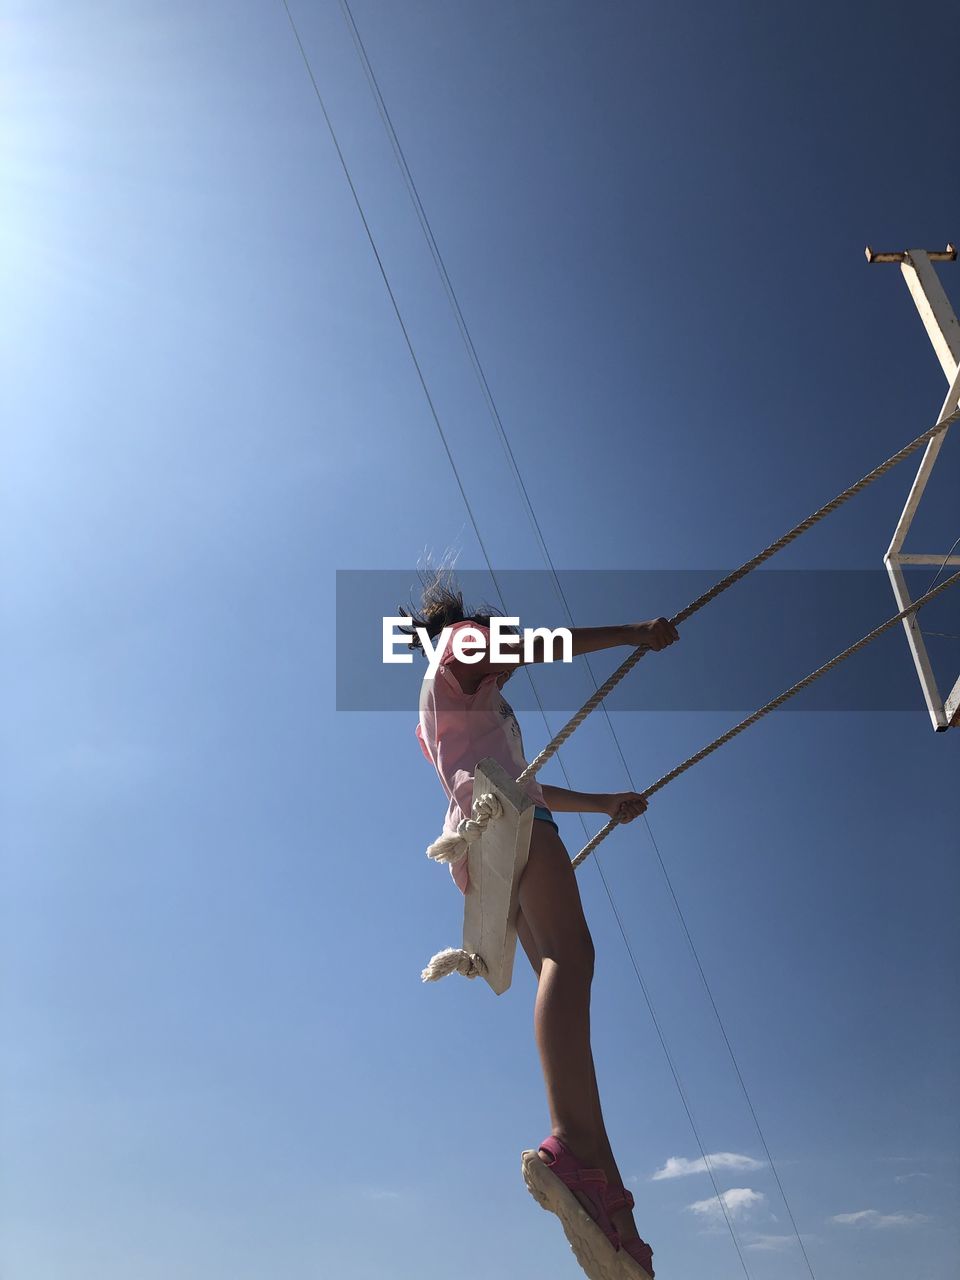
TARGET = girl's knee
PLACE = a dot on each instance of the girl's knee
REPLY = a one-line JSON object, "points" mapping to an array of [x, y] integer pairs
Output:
{"points": [[572, 950], [583, 952]]}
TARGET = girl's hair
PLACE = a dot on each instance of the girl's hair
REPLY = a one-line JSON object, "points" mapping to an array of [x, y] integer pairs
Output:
{"points": [[441, 605]]}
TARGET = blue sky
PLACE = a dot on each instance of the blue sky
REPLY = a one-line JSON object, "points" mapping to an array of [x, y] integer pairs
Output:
{"points": [[218, 1059]]}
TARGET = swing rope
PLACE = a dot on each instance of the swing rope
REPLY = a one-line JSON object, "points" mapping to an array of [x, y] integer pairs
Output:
{"points": [[627, 666], [770, 706]]}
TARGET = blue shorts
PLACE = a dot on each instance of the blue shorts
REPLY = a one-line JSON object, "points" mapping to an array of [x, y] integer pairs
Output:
{"points": [[545, 815]]}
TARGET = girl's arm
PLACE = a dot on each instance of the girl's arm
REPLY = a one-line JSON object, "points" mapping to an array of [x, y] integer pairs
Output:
{"points": [[655, 634], [626, 805]]}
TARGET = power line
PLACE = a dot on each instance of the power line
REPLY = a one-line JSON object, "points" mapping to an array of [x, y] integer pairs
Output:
{"points": [[386, 280], [500, 595], [440, 265], [499, 592], [532, 516]]}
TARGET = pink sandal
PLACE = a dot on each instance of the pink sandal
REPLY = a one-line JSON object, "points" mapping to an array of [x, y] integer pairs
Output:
{"points": [[592, 1236], [615, 1199]]}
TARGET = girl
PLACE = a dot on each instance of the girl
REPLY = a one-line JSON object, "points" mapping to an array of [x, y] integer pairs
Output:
{"points": [[463, 719]]}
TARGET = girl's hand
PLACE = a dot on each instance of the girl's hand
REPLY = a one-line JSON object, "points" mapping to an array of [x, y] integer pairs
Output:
{"points": [[655, 634], [624, 805]]}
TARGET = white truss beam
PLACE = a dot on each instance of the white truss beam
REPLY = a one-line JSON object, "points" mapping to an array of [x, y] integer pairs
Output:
{"points": [[943, 331]]}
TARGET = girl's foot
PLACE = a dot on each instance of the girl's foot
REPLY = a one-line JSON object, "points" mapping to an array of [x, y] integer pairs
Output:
{"points": [[563, 1184], [636, 1253], [586, 1183]]}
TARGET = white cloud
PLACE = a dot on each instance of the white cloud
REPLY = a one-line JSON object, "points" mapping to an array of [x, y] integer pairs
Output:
{"points": [[738, 1202], [379, 1193], [905, 1177], [680, 1166], [873, 1218]]}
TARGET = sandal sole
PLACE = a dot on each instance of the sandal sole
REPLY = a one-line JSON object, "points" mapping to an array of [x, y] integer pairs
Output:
{"points": [[591, 1248], [632, 1268]]}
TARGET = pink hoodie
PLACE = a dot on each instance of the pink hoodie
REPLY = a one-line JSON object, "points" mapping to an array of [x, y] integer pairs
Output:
{"points": [[457, 729]]}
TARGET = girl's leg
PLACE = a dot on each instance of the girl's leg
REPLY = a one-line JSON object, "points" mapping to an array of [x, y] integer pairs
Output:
{"points": [[623, 1220], [550, 902]]}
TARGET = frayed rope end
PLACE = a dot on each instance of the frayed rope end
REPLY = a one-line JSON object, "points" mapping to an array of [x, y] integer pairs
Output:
{"points": [[454, 960], [449, 847]]}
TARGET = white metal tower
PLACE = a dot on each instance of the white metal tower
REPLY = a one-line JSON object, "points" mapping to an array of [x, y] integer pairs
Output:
{"points": [[943, 331]]}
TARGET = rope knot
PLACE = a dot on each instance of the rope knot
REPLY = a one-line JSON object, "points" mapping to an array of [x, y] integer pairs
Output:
{"points": [[452, 846]]}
